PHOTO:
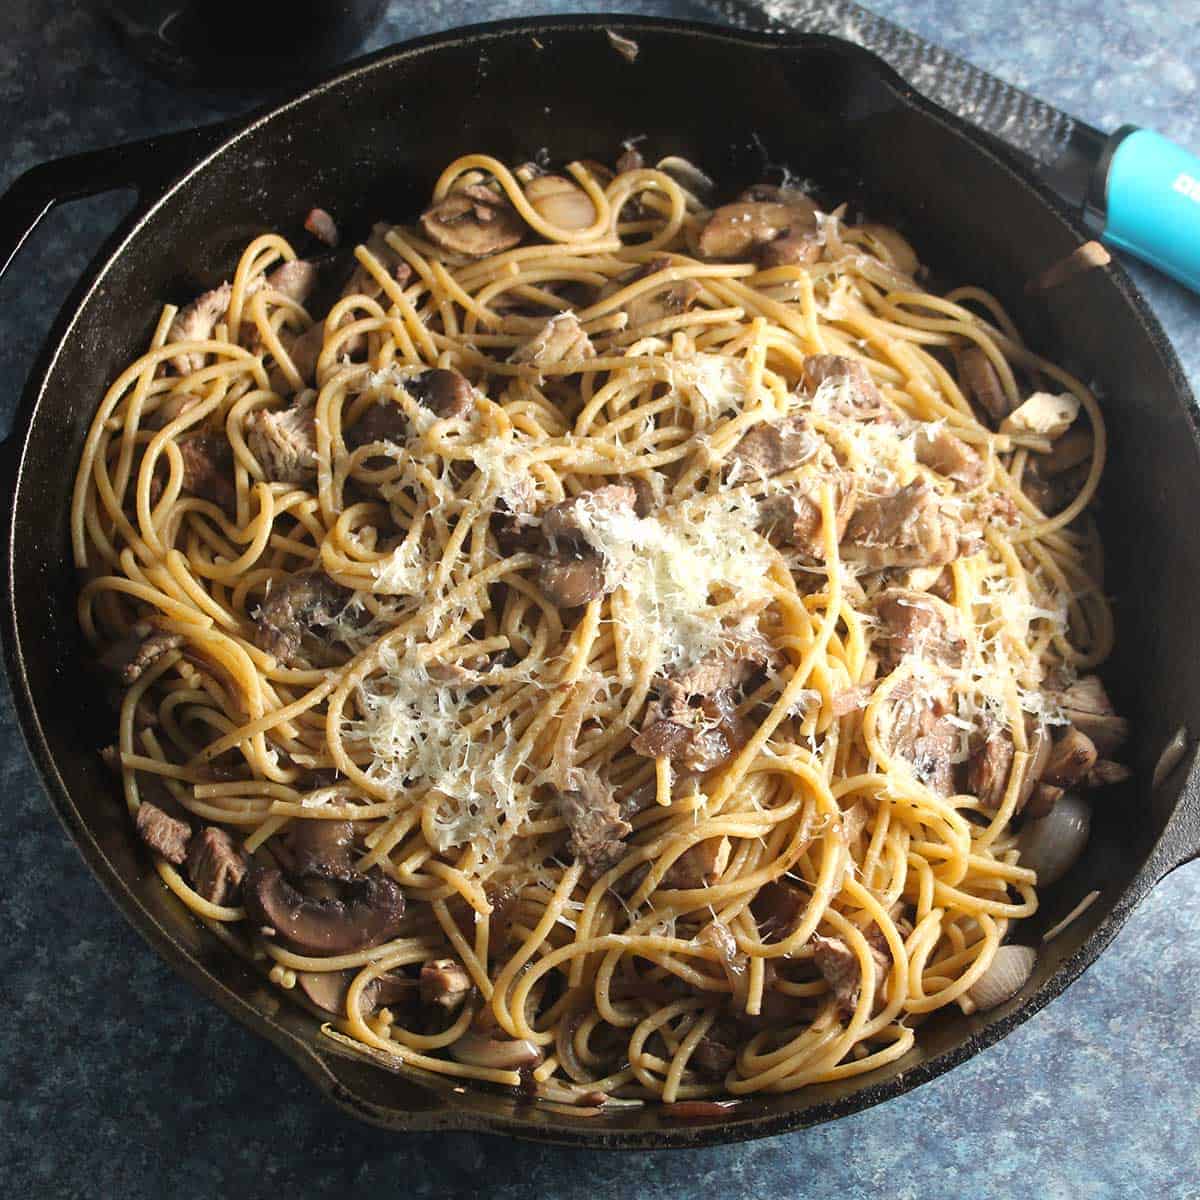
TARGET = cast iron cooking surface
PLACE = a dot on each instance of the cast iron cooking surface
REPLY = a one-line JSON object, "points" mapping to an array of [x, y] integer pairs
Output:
{"points": [[368, 145]]}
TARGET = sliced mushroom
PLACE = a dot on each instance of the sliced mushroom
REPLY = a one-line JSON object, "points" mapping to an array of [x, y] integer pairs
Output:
{"points": [[320, 850], [791, 250], [445, 984], [700, 865], [474, 221], [324, 927], [303, 602], [1087, 706], [570, 582], [979, 379], [560, 202], [1070, 451], [136, 653], [737, 230], [1071, 758], [443, 391], [479, 1050], [327, 989]]}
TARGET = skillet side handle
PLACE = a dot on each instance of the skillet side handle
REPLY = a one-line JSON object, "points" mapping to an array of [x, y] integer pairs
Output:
{"points": [[1180, 840], [147, 166]]}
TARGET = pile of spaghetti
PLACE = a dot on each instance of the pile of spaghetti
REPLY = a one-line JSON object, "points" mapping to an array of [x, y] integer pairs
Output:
{"points": [[608, 642]]}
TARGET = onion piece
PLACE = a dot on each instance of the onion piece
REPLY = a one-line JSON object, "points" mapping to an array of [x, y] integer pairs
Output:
{"points": [[1170, 757], [1051, 845], [1005, 977], [479, 1051]]}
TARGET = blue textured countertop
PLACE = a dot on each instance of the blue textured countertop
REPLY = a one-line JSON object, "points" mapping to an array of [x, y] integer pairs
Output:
{"points": [[117, 1080]]}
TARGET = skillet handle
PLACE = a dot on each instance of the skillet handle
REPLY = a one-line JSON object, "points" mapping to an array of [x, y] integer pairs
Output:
{"points": [[1180, 840], [147, 166]]}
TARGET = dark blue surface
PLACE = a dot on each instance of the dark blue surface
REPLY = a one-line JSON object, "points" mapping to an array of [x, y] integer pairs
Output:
{"points": [[117, 1080]]}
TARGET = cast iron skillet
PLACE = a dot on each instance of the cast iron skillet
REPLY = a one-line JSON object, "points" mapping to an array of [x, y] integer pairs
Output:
{"points": [[367, 145]]}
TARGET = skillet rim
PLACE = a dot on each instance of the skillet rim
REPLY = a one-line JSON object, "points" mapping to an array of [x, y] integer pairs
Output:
{"points": [[318, 1062]]}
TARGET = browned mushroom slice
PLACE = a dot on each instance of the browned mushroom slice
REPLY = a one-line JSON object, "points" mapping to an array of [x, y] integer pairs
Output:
{"points": [[738, 230], [698, 736], [162, 833], [328, 989], [839, 965], [594, 820], [731, 664], [700, 865], [320, 849], [772, 447], [139, 650], [498, 1053], [655, 305], [445, 984], [979, 380], [573, 571], [195, 322], [560, 202], [371, 913], [794, 518], [778, 907], [1070, 451], [1071, 757], [988, 769], [215, 866], [1087, 706], [921, 735], [207, 471], [294, 607], [1042, 800], [714, 1055], [566, 520], [850, 390], [916, 623], [572, 581], [948, 455], [1106, 773], [791, 250], [443, 391], [473, 221], [905, 528]]}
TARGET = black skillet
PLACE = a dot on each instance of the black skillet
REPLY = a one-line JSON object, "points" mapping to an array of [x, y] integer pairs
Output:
{"points": [[367, 145]]}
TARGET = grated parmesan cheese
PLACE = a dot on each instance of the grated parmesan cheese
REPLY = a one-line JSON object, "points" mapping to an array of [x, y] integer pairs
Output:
{"points": [[414, 726], [668, 564]]}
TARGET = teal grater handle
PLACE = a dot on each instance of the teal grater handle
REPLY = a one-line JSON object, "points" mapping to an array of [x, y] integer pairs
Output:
{"points": [[1152, 202]]}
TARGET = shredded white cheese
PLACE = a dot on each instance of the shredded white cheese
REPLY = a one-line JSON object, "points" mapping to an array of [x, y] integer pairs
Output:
{"points": [[668, 565], [414, 726]]}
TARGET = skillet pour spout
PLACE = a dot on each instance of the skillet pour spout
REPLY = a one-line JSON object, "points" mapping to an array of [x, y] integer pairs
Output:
{"points": [[829, 111]]}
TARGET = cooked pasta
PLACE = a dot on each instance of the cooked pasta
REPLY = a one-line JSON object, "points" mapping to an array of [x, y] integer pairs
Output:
{"points": [[610, 644]]}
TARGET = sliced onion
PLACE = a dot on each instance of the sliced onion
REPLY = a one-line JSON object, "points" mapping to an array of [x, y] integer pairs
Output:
{"points": [[479, 1051], [1005, 977], [1050, 846]]}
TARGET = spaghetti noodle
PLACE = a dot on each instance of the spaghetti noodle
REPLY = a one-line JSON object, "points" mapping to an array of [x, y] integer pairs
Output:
{"points": [[616, 642]]}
